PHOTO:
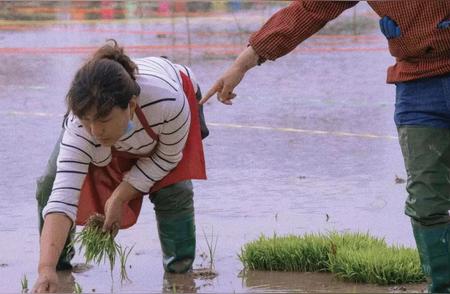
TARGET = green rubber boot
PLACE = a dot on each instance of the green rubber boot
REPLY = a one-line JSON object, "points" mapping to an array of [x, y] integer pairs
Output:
{"points": [[43, 192], [174, 207], [433, 246]]}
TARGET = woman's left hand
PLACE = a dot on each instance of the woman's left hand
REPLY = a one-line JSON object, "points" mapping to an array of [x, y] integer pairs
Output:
{"points": [[113, 207], [113, 215]]}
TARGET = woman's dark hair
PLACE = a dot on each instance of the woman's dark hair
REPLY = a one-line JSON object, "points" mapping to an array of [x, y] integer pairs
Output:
{"points": [[105, 81]]}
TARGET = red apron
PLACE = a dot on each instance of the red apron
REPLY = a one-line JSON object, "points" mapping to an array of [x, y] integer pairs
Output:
{"points": [[100, 182]]}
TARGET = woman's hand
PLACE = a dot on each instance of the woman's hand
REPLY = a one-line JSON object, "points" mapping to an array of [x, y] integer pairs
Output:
{"points": [[47, 281], [54, 234], [113, 206], [113, 215]]}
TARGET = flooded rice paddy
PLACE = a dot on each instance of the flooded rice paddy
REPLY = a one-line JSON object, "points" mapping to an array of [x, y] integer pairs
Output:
{"points": [[309, 145]]}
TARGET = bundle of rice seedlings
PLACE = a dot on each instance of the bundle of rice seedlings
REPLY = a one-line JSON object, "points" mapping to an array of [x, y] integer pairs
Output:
{"points": [[100, 246]]}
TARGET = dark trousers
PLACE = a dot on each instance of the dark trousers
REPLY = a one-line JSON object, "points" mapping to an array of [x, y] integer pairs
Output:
{"points": [[422, 116]]}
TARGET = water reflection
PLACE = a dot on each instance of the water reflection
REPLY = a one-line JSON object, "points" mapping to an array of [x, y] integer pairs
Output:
{"points": [[282, 282], [179, 283]]}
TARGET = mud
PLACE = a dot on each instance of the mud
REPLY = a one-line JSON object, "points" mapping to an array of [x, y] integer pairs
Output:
{"points": [[308, 146]]}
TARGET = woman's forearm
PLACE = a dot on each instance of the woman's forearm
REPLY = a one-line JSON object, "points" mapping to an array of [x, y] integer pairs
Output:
{"points": [[113, 207], [53, 237], [126, 192]]}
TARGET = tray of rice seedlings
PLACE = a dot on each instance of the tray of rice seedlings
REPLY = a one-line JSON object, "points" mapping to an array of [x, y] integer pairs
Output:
{"points": [[354, 257], [100, 246]]}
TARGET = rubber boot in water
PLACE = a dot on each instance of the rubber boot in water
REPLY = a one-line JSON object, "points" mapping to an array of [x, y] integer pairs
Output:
{"points": [[433, 246], [177, 237]]}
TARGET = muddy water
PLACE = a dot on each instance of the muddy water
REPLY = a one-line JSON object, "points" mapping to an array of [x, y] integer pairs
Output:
{"points": [[308, 146]]}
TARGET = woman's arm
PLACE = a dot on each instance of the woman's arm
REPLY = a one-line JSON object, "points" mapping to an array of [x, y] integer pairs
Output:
{"points": [[113, 207], [75, 154], [60, 211], [54, 234]]}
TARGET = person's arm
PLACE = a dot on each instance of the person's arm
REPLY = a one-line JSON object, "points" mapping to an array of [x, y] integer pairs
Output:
{"points": [[113, 207], [77, 151], [61, 209], [54, 234], [284, 31]]}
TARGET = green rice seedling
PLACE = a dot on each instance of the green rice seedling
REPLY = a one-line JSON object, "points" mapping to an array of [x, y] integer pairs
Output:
{"points": [[355, 241], [353, 257], [123, 254], [77, 288], [212, 245], [100, 246], [24, 283], [378, 265], [290, 253]]}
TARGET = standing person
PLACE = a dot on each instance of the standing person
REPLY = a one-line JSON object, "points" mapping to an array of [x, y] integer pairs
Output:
{"points": [[418, 33], [132, 128]]}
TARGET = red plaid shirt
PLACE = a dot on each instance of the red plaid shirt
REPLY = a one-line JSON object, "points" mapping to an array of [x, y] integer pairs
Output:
{"points": [[422, 50]]}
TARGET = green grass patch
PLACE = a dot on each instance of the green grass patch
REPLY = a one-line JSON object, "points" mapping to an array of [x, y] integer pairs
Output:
{"points": [[351, 257]]}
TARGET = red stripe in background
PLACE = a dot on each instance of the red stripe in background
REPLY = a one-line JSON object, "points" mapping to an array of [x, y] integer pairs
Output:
{"points": [[223, 48]]}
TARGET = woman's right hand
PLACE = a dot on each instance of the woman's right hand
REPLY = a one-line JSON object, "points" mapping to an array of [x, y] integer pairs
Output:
{"points": [[54, 234], [47, 281]]}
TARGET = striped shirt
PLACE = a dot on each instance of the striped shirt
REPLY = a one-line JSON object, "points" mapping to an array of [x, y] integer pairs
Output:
{"points": [[422, 50], [167, 111]]}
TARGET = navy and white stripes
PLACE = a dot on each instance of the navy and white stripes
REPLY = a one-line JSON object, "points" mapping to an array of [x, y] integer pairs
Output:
{"points": [[166, 108]]}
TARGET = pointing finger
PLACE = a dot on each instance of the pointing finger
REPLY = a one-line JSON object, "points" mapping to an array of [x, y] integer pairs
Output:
{"points": [[214, 89]]}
